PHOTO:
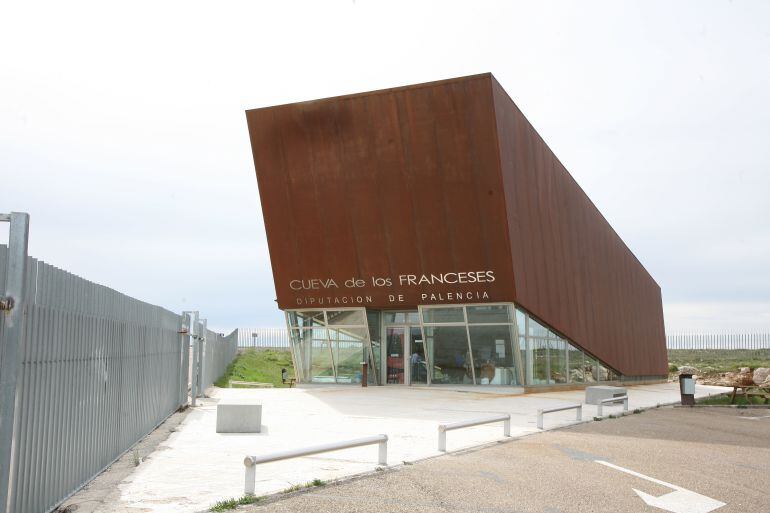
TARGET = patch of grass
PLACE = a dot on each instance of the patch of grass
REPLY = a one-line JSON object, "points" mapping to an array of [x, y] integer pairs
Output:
{"points": [[597, 419], [716, 361], [259, 366], [229, 504], [311, 484], [638, 410], [725, 399], [672, 368]]}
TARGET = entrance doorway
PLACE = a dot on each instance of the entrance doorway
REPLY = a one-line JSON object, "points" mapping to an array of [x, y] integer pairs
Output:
{"points": [[405, 357]]}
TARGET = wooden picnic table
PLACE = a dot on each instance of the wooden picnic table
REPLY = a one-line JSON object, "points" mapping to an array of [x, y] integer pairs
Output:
{"points": [[751, 391]]}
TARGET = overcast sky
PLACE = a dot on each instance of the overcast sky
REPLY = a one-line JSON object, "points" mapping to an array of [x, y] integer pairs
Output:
{"points": [[123, 134]]}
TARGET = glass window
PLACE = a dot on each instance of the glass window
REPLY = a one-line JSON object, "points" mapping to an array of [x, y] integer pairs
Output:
{"points": [[590, 369], [401, 317], [306, 319], [557, 362], [527, 352], [348, 348], [575, 357], [539, 361], [440, 315], [312, 350], [493, 358], [346, 318], [520, 322], [489, 314], [536, 329], [448, 349], [603, 372], [394, 317], [373, 320]]}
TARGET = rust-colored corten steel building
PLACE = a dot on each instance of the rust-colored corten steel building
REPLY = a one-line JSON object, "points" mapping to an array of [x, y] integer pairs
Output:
{"points": [[429, 231]]}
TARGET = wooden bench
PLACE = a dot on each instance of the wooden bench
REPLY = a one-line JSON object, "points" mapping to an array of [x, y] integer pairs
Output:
{"points": [[751, 391]]}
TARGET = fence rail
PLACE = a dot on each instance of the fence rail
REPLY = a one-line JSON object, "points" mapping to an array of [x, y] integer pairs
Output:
{"points": [[718, 341], [276, 338]]}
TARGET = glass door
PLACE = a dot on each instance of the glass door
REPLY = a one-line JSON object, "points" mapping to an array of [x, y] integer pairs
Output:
{"points": [[418, 363], [395, 342]]}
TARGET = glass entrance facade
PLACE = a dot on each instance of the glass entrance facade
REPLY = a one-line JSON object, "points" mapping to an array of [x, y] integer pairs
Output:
{"points": [[475, 344]]}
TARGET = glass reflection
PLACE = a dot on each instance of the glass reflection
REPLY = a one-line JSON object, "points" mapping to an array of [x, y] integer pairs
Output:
{"points": [[557, 363], [348, 350], [489, 314], [443, 315], [448, 346], [575, 357], [346, 317], [493, 357], [306, 319]]}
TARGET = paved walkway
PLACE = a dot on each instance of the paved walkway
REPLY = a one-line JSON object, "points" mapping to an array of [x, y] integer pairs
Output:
{"points": [[196, 467]]}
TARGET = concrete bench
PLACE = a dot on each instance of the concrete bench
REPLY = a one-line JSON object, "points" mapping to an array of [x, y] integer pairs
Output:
{"points": [[239, 418], [596, 394]]}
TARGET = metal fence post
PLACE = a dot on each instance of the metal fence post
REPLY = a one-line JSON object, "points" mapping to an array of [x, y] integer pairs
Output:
{"points": [[202, 358], [195, 329], [12, 307], [184, 377]]}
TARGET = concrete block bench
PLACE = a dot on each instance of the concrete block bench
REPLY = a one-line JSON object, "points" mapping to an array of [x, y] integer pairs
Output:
{"points": [[239, 418], [594, 395]]}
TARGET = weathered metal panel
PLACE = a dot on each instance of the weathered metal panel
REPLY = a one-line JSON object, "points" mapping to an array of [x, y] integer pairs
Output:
{"points": [[572, 269], [378, 187]]}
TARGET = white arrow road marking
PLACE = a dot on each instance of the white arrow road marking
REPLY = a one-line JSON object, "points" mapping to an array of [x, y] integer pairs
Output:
{"points": [[680, 500]]}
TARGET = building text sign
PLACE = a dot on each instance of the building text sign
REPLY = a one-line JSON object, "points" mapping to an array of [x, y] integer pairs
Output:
{"points": [[459, 286]]}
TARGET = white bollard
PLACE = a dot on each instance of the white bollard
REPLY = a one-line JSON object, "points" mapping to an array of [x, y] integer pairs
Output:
{"points": [[251, 476], [383, 459]]}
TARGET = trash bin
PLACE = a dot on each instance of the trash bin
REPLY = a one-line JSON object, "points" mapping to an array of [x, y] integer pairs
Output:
{"points": [[687, 389]]}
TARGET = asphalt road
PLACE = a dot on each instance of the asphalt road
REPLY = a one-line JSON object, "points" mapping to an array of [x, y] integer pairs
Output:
{"points": [[687, 460]]}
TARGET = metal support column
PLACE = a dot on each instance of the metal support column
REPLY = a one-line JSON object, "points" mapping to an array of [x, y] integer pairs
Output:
{"points": [[12, 308]]}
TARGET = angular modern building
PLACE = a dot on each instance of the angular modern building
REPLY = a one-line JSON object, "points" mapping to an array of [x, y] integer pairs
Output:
{"points": [[429, 231]]}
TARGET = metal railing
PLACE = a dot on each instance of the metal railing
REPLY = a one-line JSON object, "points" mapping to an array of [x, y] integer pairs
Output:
{"points": [[541, 412], [611, 400], [251, 462], [443, 428]]}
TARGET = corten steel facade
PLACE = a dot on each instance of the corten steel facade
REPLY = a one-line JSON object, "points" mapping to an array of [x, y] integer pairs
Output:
{"points": [[444, 194]]}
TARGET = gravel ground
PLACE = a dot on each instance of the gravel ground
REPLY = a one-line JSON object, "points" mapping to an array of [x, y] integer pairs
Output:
{"points": [[722, 453]]}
